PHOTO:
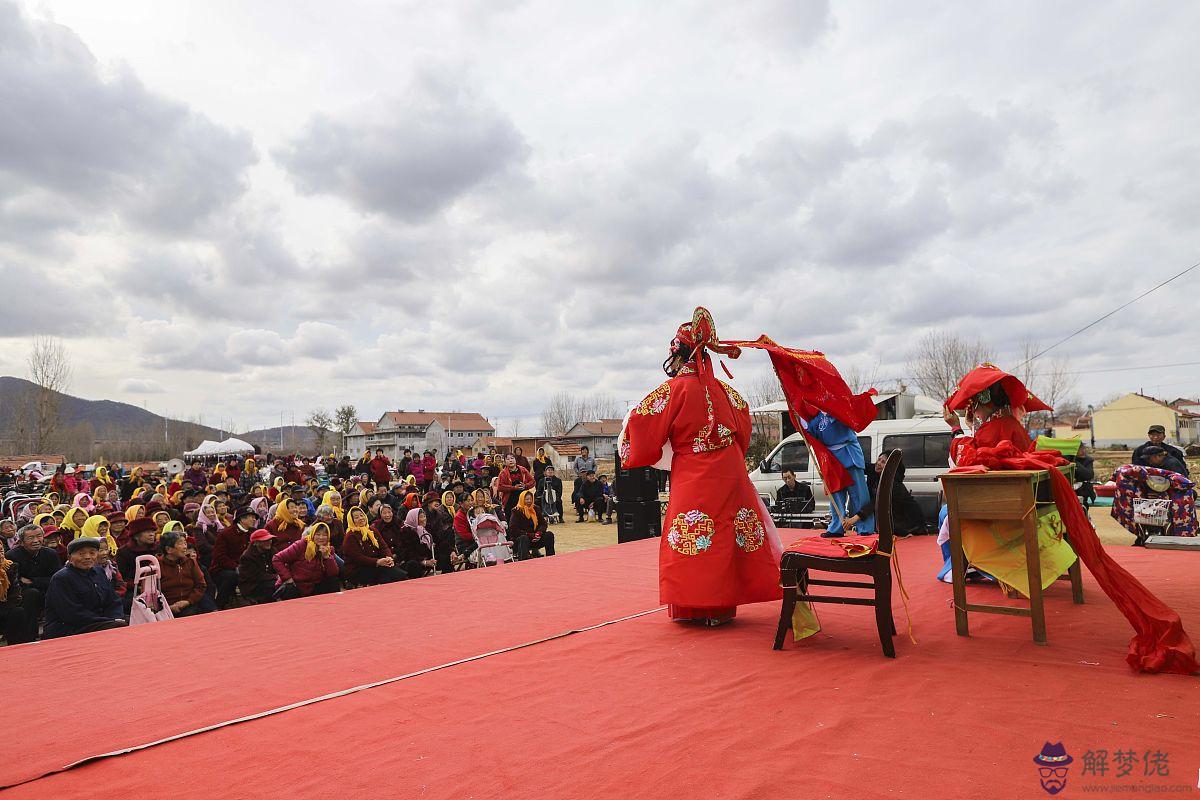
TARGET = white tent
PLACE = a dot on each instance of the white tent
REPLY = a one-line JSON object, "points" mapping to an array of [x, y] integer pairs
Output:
{"points": [[229, 447]]}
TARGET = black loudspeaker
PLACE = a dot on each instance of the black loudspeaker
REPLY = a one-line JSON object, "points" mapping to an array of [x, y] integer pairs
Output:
{"points": [[638, 520], [638, 484]]}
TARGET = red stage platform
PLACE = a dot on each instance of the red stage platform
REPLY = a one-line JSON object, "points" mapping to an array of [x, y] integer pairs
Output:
{"points": [[639, 708]]}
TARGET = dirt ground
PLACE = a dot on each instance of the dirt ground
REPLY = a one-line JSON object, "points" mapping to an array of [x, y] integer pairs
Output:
{"points": [[571, 536]]}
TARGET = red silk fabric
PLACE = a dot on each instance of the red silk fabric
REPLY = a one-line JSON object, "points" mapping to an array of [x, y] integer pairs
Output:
{"points": [[1160, 644], [811, 383]]}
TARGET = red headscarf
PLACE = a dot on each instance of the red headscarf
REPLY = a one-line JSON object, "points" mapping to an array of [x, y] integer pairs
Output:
{"points": [[984, 377]]}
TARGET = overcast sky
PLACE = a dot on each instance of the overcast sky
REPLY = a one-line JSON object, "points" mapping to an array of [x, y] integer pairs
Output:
{"points": [[236, 209]]}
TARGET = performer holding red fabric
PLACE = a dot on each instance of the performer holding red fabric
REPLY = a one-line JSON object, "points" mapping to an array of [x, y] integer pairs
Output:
{"points": [[997, 400], [719, 547]]}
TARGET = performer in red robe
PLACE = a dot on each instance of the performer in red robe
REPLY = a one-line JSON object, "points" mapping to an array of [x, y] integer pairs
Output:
{"points": [[719, 546], [995, 401]]}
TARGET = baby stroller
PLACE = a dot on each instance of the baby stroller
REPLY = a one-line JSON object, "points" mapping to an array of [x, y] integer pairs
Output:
{"points": [[493, 545]]}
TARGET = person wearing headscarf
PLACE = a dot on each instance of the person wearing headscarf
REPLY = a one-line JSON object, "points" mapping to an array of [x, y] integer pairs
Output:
{"points": [[334, 499], [719, 547], [135, 511], [440, 524], [539, 464], [96, 527], [527, 528], [260, 505], [72, 524], [368, 557], [287, 526], [414, 545], [387, 526], [307, 566], [100, 503]]}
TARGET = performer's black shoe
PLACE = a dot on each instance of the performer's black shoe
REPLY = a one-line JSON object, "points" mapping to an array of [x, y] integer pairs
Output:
{"points": [[831, 535]]}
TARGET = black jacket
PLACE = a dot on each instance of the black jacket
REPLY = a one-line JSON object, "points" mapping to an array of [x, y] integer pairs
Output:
{"points": [[38, 567], [254, 567], [1140, 458], [77, 599]]}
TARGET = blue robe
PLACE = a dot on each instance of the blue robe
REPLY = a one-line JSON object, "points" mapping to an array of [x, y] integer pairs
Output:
{"points": [[842, 441]]}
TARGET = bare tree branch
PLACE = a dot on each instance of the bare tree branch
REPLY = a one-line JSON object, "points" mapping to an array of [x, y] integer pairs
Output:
{"points": [[940, 359], [49, 368]]}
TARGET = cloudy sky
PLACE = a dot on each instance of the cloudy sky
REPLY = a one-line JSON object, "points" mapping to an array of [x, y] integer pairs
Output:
{"points": [[236, 209]]}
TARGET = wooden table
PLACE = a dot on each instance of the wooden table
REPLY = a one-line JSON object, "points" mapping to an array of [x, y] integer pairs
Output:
{"points": [[1002, 495]]}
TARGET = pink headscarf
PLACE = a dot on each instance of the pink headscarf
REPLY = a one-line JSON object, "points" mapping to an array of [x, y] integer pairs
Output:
{"points": [[206, 519], [411, 520], [259, 504], [84, 500]]}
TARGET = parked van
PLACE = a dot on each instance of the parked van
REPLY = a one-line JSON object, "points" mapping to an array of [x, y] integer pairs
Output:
{"points": [[924, 441]]}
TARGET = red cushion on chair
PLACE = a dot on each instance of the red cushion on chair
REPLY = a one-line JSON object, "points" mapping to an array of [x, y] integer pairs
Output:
{"points": [[845, 547]]}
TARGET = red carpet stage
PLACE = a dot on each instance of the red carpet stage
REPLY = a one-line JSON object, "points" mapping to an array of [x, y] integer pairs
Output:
{"points": [[638, 708]]}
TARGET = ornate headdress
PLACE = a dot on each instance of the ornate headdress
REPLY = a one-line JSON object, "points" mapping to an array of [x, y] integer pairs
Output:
{"points": [[697, 336]]}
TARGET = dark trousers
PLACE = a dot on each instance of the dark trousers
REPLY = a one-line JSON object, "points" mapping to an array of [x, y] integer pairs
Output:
{"points": [[290, 591], [527, 546], [373, 576], [33, 601], [15, 624], [262, 592], [107, 625], [465, 548], [413, 568], [205, 606], [597, 505], [226, 583]]}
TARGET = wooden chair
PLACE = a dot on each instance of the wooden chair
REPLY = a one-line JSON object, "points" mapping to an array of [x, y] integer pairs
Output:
{"points": [[799, 559]]}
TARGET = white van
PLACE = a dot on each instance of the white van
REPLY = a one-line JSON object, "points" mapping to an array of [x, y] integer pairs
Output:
{"points": [[924, 441]]}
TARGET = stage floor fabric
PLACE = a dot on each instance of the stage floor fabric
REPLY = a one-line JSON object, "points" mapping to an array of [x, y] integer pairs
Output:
{"points": [[640, 708]]}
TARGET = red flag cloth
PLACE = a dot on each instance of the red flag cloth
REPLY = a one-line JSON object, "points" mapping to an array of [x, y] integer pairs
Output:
{"points": [[986, 375], [810, 384], [1160, 643]]}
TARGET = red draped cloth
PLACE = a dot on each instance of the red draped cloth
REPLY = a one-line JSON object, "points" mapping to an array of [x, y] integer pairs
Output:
{"points": [[1160, 644]]}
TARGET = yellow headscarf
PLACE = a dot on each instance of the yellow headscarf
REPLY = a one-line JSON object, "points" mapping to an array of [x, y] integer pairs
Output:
{"points": [[363, 531], [137, 493], [91, 530], [411, 480], [529, 511], [278, 483], [310, 551], [70, 525], [283, 513], [41, 521], [173, 525], [250, 467], [131, 513], [327, 500], [448, 501]]}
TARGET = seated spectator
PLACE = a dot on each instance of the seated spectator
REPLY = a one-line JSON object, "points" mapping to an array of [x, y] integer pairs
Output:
{"points": [[464, 541], [230, 544], [907, 517], [14, 623], [387, 527], [80, 599], [142, 542], [73, 522], [307, 567], [54, 539], [260, 505], [96, 527], [106, 560], [288, 524], [527, 528], [36, 565], [550, 489], [513, 479], [589, 497], [368, 558], [440, 524], [609, 500], [414, 550], [116, 527], [8, 534], [182, 582]]}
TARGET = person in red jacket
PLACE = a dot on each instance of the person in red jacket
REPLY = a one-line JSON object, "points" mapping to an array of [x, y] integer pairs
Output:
{"points": [[514, 479], [307, 566], [230, 543], [368, 557], [287, 525], [182, 582], [429, 468], [380, 472], [464, 539]]}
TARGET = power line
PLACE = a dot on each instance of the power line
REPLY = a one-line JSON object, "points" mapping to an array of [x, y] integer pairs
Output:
{"points": [[1118, 369], [1109, 314]]}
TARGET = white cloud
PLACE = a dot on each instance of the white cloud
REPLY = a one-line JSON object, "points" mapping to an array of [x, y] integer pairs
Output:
{"points": [[140, 386]]}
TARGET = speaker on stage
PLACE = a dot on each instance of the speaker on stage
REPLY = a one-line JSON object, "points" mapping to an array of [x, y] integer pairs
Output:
{"points": [[639, 484], [638, 519]]}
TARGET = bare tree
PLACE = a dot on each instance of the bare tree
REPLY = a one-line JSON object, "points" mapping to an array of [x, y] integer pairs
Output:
{"points": [[320, 423], [860, 377], [763, 389], [564, 410], [940, 359], [514, 427], [345, 417], [1051, 379], [50, 369]]}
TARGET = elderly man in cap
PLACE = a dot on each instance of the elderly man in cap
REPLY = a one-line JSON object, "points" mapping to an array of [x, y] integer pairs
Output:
{"points": [[256, 572], [227, 552], [1157, 436], [80, 598], [36, 565]]}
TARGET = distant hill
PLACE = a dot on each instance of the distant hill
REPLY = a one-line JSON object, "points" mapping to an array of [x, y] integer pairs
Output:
{"points": [[93, 429]]}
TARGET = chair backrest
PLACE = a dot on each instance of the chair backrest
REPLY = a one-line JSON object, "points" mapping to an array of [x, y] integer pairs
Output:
{"points": [[883, 500]]}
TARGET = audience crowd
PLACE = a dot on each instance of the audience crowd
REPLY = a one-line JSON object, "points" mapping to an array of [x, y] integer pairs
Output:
{"points": [[235, 532]]}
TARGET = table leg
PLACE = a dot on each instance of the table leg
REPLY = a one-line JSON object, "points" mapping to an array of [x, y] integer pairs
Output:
{"points": [[958, 571], [1033, 564], [1076, 573]]}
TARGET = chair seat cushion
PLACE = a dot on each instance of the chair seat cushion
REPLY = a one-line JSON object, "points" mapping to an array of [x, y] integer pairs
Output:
{"points": [[844, 547]]}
